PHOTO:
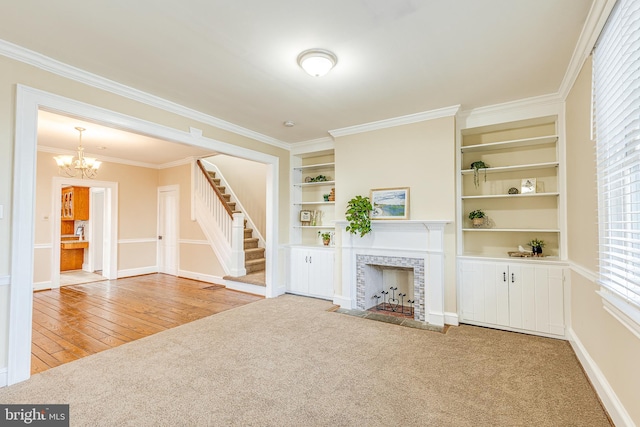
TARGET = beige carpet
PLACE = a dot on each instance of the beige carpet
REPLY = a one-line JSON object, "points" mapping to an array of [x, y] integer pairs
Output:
{"points": [[289, 362]]}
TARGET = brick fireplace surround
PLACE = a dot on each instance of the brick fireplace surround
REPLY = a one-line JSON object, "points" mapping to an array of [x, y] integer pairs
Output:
{"points": [[403, 243]]}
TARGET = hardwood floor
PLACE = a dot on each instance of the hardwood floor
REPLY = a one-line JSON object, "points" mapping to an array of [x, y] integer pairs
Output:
{"points": [[76, 321]]}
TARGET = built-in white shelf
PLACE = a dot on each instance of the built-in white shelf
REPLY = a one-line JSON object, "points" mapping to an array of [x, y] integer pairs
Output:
{"points": [[516, 143], [507, 196], [313, 203], [516, 230], [498, 169], [314, 226], [313, 184], [314, 167]]}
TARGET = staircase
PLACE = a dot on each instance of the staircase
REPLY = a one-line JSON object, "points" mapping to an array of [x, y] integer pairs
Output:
{"points": [[254, 258]]}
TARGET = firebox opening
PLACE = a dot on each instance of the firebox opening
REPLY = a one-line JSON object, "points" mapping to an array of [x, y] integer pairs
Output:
{"points": [[390, 290]]}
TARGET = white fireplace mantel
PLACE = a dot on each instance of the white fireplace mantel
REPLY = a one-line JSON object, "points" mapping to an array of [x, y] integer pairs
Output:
{"points": [[418, 239]]}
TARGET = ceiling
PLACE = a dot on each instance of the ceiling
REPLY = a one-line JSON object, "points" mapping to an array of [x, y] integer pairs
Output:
{"points": [[236, 60]]}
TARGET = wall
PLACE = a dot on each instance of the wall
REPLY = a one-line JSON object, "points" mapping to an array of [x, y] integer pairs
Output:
{"points": [[13, 72], [613, 350], [420, 156]]}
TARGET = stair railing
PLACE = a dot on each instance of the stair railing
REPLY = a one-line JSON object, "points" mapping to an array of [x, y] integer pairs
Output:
{"points": [[229, 190], [223, 227]]}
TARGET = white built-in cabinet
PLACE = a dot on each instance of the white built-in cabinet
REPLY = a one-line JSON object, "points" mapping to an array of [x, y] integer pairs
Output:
{"points": [[495, 288], [524, 296], [310, 262], [311, 272]]}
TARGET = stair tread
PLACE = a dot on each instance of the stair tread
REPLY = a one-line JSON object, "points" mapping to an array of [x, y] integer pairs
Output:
{"points": [[255, 261]]}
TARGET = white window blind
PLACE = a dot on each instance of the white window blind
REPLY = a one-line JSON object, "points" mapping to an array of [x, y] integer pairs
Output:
{"points": [[616, 83]]}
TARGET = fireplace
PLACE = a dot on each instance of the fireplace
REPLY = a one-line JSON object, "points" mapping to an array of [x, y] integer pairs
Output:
{"points": [[370, 286], [412, 245]]}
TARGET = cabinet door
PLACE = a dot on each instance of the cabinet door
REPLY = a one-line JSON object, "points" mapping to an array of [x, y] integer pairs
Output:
{"points": [[536, 298], [484, 292], [469, 272], [321, 274], [299, 280]]}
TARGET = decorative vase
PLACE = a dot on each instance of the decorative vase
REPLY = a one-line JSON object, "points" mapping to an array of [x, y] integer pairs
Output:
{"points": [[326, 241], [326, 197], [477, 222], [536, 250]]}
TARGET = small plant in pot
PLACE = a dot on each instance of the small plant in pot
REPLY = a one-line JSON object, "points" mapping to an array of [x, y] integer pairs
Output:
{"points": [[536, 246], [326, 237], [476, 166], [477, 217]]}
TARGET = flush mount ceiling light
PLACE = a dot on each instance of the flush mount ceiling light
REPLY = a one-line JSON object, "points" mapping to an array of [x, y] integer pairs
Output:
{"points": [[317, 62]]}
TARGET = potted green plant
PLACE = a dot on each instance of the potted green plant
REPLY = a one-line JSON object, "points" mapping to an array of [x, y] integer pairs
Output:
{"points": [[326, 237], [536, 246], [358, 214], [326, 197], [476, 166], [477, 217]]}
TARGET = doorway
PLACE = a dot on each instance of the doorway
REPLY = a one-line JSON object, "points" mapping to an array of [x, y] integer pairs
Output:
{"points": [[28, 102]]}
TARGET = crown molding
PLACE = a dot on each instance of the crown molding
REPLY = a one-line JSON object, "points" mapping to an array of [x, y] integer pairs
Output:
{"points": [[596, 19], [397, 121], [511, 111], [313, 145], [51, 65]]}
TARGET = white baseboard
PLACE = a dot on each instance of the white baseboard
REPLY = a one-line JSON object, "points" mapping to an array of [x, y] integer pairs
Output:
{"points": [[137, 271], [41, 286], [201, 277], [3, 377], [451, 318], [616, 410], [342, 301]]}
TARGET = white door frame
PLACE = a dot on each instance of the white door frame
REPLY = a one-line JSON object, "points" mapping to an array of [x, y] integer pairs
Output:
{"points": [[92, 259], [28, 102], [110, 267], [176, 226]]}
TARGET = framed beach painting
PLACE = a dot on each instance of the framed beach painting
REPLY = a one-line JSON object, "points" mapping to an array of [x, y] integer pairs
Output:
{"points": [[390, 203]]}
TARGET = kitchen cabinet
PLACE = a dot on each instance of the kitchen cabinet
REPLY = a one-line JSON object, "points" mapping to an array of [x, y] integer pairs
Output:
{"points": [[72, 254], [525, 296], [75, 204]]}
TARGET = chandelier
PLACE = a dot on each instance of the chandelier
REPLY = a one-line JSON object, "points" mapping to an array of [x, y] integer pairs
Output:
{"points": [[83, 166]]}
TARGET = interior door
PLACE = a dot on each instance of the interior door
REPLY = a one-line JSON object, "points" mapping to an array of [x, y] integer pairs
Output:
{"points": [[168, 230]]}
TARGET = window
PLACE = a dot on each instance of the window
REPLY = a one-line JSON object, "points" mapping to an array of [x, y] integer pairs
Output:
{"points": [[616, 83]]}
